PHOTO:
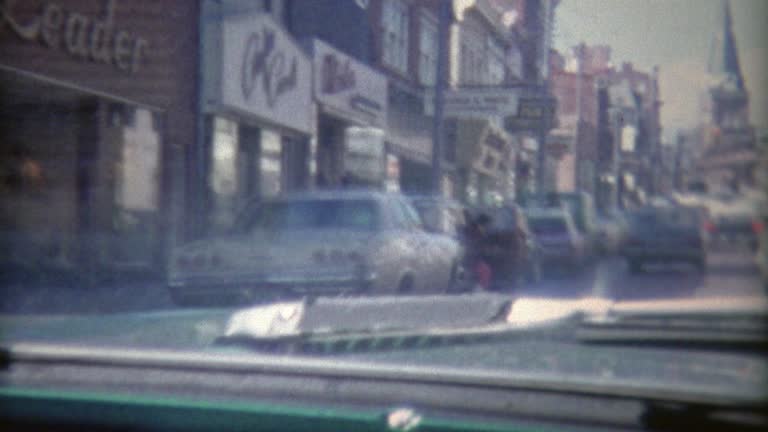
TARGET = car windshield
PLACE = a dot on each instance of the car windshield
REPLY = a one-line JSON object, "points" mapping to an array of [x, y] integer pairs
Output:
{"points": [[678, 217], [499, 190], [548, 225], [311, 214]]}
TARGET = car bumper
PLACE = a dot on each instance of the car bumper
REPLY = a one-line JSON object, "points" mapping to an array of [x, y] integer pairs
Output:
{"points": [[257, 286], [659, 254]]}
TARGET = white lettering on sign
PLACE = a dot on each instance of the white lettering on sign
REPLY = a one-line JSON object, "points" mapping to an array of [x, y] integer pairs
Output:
{"points": [[82, 37], [471, 103], [349, 88]]}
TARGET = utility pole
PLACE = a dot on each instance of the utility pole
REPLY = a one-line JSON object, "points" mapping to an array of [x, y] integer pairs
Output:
{"points": [[617, 126], [541, 159], [577, 150], [444, 21]]}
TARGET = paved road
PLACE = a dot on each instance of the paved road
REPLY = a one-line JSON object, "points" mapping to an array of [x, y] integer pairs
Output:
{"points": [[729, 274]]}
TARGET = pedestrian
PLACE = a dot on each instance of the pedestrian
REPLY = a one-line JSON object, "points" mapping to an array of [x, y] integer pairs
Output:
{"points": [[475, 239]]}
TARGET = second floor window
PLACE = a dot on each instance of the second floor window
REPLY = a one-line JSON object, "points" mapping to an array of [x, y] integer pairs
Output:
{"points": [[428, 52], [495, 53], [394, 19]]}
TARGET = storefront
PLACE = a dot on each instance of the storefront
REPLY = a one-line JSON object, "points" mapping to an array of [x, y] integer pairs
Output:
{"points": [[352, 115], [94, 129], [409, 138], [259, 114]]}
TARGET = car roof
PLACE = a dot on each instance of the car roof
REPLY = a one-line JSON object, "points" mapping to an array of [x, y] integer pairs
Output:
{"points": [[433, 199]]}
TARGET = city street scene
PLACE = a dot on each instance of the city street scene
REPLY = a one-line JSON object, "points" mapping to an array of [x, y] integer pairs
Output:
{"points": [[558, 198]]}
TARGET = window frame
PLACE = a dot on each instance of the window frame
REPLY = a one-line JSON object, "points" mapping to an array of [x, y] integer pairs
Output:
{"points": [[395, 29]]}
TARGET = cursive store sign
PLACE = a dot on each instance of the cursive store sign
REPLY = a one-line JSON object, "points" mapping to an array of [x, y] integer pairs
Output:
{"points": [[87, 38], [264, 65], [348, 88], [264, 73]]}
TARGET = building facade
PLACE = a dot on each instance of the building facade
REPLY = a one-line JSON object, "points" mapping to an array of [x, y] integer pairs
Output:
{"points": [[257, 108], [98, 121], [730, 157]]}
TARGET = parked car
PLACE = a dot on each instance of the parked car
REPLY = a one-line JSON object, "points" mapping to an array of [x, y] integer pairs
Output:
{"points": [[560, 242], [315, 243], [666, 234], [439, 215], [512, 250]]}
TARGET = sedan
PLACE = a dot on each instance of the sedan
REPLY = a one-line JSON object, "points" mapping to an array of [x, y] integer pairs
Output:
{"points": [[317, 243], [560, 241], [666, 234]]}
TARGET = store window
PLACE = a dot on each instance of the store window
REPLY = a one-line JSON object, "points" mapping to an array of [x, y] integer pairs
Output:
{"points": [[270, 163], [495, 54], [428, 51], [223, 175], [395, 22], [473, 61], [79, 179]]}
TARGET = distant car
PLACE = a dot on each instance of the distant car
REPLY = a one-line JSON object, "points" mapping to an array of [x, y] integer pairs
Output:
{"points": [[316, 243], [512, 250], [736, 229], [581, 206], [666, 234], [560, 242], [611, 233]]}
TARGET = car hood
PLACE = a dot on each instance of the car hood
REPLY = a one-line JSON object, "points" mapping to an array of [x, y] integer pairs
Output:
{"points": [[550, 351]]}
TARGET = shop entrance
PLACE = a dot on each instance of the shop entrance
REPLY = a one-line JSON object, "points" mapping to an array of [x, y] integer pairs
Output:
{"points": [[79, 181]]}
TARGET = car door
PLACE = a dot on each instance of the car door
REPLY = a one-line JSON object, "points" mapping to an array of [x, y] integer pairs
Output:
{"points": [[426, 259], [405, 258]]}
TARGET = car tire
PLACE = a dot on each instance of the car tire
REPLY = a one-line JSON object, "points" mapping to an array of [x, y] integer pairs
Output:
{"points": [[405, 286], [182, 300], [635, 266]]}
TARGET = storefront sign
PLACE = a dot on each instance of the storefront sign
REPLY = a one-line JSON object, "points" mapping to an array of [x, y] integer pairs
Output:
{"points": [[533, 114], [83, 37], [349, 88], [475, 103], [265, 73]]}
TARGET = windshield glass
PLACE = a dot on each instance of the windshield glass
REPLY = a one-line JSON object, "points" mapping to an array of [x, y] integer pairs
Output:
{"points": [[505, 186], [678, 217], [548, 225]]}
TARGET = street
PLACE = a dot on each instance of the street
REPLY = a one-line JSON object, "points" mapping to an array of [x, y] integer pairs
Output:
{"points": [[731, 273]]}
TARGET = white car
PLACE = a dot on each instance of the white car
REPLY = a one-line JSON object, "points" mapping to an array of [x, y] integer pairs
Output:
{"points": [[315, 243]]}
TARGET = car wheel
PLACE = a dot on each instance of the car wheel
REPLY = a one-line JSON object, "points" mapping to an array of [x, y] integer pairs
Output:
{"points": [[183, 300], [406, 285], [635, 266]]}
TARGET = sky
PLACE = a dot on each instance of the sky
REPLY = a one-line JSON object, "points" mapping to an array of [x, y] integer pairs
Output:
{"points": [[676, 36]]}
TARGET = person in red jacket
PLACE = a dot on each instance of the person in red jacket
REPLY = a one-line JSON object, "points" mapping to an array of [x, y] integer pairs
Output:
{"points": [[475, 239]]}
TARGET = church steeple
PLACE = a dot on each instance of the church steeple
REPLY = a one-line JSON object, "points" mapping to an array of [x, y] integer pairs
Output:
{"points": [[723, 55]]}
